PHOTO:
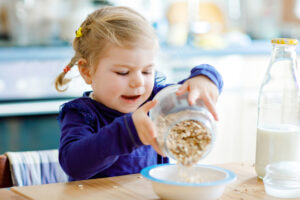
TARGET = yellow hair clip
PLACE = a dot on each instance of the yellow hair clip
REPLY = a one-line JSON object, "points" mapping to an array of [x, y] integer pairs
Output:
{"points": [[78, 32]]}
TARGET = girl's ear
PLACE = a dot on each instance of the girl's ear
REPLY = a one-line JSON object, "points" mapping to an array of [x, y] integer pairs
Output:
{"points": [[85, 71]]}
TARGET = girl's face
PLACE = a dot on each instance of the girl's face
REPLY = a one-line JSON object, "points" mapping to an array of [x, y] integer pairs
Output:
{"points": [[124, 78]]}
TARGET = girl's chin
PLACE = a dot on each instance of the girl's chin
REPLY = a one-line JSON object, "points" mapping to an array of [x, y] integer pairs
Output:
{"points": [[129, 110]]}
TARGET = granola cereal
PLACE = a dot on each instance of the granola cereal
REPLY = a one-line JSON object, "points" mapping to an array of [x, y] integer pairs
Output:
{"points": [[187, 140]]}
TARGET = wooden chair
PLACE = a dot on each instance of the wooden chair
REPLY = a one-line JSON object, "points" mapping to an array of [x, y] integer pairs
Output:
{"points": [[5, 175]]}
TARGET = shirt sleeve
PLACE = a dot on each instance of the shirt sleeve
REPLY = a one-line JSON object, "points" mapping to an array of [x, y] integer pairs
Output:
{"points": [[159, 83], [208, 71], [84, 152]]}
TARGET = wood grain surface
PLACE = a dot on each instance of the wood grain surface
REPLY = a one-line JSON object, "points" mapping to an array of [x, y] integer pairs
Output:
{"points": [[6, 194], [246, 187]]}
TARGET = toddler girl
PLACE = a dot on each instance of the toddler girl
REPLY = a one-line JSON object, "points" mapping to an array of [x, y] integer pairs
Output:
{"points": [[107, 132]]}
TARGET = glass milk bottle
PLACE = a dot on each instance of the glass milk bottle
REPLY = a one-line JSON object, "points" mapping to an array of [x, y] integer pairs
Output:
{"points": [[278, 125]]}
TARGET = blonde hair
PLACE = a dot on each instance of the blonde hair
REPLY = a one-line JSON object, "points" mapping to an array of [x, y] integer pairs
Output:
{"points": [[120, 26]]}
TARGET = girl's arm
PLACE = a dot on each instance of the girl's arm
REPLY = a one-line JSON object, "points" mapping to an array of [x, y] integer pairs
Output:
{"points": [[83, 152], [204, 69], [208, 71]]}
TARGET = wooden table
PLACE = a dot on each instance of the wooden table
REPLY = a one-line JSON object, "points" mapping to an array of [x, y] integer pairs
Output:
{"points": [[246, 187], [9, 195]]}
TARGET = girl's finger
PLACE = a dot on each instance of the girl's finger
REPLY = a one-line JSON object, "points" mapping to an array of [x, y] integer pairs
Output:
{"points": [[155, 145], [193, 96], [148, 106], [211, 107], [183, 89], [151, 136], [149, 128]]}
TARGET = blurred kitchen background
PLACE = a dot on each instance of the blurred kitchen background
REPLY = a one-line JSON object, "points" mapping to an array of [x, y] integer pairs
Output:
{"points": [[232, 35]]}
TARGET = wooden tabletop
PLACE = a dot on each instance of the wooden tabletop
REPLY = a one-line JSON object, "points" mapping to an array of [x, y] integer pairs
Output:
{"points": [[6, 194], [246, 187]]}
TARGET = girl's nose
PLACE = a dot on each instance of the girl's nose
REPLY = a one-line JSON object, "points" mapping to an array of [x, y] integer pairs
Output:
{"points": [[136, 80]]}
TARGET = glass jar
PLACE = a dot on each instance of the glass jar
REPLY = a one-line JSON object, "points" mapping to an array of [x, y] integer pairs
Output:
{"points": [[184, 133], [282, 179], [278, 125]]}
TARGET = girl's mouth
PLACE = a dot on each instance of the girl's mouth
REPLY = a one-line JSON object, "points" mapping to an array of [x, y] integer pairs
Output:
{"points": [[131, 98]]}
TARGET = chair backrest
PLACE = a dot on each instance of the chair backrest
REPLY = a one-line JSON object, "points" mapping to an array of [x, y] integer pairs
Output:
{"points": [[5, 174], [35, 167]]}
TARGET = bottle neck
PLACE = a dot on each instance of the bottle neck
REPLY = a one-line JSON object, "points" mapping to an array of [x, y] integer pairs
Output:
{"points": [[283, 52]]}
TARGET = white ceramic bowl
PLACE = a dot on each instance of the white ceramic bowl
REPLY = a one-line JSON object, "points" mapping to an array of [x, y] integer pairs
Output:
{"points": [[164, 179]]}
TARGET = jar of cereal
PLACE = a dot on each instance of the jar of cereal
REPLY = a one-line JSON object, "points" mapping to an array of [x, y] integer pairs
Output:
{"points": [[184, 133]]}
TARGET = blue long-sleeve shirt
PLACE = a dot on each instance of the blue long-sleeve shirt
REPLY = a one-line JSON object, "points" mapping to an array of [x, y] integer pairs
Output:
{"points": [[97, 141]]}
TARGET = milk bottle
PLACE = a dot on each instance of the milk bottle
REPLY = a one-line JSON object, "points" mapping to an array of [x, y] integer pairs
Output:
{"points": [[278, 125]]}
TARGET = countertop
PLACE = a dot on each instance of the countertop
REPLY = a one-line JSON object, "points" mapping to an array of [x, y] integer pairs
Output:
{"points": [[62, 52], [28, 73]]}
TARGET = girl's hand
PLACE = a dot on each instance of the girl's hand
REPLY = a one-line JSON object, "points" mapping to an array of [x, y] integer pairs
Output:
{"points": [[145, 127], [201, 87]]}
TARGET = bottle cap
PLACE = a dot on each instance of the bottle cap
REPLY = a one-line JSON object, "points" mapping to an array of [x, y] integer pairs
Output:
{"points": [[288, 41]]}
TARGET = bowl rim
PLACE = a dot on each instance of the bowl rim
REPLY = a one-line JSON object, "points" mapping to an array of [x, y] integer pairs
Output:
{"points": [[230, 176]]}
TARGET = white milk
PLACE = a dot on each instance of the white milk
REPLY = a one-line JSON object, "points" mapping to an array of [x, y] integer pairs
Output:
{"points": [[276, 144]]}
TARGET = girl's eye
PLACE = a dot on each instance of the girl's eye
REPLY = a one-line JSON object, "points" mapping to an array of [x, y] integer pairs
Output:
{"points": [[147, 72], [122, 73]]}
